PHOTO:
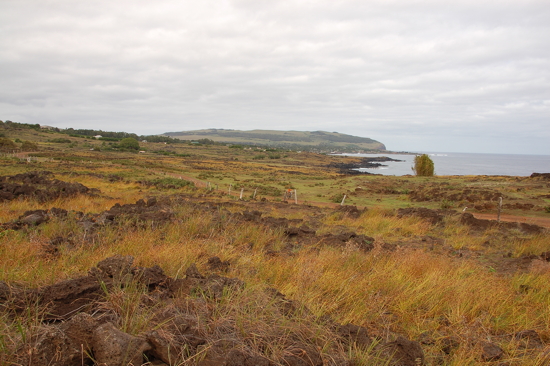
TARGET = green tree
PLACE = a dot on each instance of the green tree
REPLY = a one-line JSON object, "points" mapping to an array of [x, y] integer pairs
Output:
{"points": [[129, 143], [423, 166]]}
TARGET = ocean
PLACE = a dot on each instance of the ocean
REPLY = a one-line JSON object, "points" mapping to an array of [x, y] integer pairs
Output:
{"points": [[466, 164]]}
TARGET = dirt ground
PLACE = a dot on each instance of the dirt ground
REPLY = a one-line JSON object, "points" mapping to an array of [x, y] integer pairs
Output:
{"points": [[540, 221]]}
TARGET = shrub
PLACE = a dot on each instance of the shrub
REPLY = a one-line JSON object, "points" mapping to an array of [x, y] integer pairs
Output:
{"points": [[29, 146], [108, 139], [337, 198], [171, 183], [446, 204], [60, 140], [129, 143], [163, 152], [7, 144], [270, 191], [423, 166]]}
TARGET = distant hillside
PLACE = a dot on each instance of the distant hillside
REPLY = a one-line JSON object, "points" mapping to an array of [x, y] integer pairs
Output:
{"points": [[302, 140]]}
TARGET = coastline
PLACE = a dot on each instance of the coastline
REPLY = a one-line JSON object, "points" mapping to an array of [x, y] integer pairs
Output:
{"points": [[462, 164]]}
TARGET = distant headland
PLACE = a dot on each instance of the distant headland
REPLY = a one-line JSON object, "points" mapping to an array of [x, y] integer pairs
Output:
{"points": [[316, 141]]}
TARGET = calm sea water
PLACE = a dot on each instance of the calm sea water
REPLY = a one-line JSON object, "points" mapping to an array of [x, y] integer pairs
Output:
{"points": [[467, 164]]}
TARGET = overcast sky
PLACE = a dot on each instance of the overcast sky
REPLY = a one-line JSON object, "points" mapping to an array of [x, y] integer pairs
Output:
{"points": [[463, 75]]}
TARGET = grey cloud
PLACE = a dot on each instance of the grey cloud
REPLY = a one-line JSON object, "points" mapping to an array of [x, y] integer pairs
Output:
{"points": [[383, 69]]}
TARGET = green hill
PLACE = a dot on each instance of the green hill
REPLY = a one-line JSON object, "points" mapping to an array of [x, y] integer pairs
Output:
{"points": [[300, 140]]}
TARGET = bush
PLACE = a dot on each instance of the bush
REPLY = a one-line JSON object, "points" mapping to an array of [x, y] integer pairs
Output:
{"points": [[423, 166], [7, 144], [29, 146], [446, 204], [163, 152], [109, 139], [129, 143], [60, 140], [337, 198], [171, 183]]}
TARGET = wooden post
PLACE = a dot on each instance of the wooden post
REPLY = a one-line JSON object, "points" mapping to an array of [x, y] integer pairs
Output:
{"points": [[499, 208], [343, 199], [241, 196], [295, 197]]}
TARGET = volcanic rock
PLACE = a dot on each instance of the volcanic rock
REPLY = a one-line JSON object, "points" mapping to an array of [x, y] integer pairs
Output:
{"points": [[113, 347], [491, 352], [404, 352], [424, 213], [354, 334]]}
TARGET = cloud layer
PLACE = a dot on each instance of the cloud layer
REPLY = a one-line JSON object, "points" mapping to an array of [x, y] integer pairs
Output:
{"points": [[415, 75]]}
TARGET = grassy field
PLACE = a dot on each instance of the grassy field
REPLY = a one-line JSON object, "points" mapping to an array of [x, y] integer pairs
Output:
{"points": [[465, 293]]}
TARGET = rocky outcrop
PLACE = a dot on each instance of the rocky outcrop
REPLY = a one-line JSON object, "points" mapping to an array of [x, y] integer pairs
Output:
{"points": [[424, 213], [480, 224], [40, 186]]}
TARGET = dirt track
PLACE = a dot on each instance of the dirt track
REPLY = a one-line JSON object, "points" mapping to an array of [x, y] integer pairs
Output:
{"points": [[540, 221]]}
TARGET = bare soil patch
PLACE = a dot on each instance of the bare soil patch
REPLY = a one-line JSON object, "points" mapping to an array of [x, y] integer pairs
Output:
{"points": [[540, 221]]}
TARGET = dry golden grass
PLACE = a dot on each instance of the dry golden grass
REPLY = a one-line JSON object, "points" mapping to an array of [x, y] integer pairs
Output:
{"points": [[412, 291], [406, 291]]}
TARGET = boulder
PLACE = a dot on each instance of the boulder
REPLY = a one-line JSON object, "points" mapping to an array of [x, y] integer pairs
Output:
{"points": [[491, 352], [404, 352], [354, 334], [424, 213], [112, 347]]}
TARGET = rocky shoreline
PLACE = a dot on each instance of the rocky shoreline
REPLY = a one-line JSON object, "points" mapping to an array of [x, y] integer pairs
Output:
{"points": [[365, 163]]}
